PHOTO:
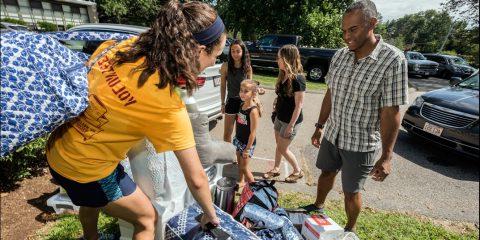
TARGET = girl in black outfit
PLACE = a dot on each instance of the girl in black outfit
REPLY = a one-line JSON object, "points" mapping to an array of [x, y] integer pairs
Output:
{"points": [[245, 132], [233, 73], [290, 89]]}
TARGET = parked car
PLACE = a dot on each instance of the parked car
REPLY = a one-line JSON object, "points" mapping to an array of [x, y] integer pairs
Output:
{"points": [[448, 117], [207, 96], [450, 66], [419, 65], [316, 61], [13, 26]]}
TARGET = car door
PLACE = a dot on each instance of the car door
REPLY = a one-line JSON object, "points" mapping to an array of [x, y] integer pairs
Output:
{"points": [[261, 54]]}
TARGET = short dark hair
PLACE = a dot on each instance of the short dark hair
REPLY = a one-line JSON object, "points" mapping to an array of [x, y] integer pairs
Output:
{"points": [[367, 7]]}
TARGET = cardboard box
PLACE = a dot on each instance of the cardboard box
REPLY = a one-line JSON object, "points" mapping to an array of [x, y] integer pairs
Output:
{"points": [[316, 227]]}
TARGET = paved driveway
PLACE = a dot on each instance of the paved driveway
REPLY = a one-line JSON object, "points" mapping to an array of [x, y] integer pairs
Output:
{"points": [[426, 179]]}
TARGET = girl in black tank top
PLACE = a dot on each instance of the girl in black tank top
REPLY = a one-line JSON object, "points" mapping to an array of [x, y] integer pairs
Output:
{"points": [[245, 134]]}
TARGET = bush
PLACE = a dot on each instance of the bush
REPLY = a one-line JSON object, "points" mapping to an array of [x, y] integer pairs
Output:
{"points": [[14, 21], [47, 27], [25, 162], [70, 26]]}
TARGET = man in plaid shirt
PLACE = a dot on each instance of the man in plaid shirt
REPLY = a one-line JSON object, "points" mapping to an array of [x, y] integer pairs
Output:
{"points": [[367, 82]]}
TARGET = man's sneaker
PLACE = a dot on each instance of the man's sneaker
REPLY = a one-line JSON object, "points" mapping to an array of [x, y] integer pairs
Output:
{"points": [[312, 209]]}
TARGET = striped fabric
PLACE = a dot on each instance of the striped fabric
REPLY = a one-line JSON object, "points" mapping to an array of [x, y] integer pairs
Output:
{"points": [[359, 89]]}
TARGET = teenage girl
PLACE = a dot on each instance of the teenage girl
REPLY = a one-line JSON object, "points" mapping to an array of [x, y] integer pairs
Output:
{"points": [[290, 89]]}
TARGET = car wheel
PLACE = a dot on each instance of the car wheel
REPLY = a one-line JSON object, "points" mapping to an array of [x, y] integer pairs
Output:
{"points": [[315, 73], [446, 74]]}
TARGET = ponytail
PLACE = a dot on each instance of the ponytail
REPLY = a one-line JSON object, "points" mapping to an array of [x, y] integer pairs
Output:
{"points": [[169, 46]]}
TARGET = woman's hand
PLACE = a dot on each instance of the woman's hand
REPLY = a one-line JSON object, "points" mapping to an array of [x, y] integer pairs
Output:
{"points": [[288, 131], [209, 219]]}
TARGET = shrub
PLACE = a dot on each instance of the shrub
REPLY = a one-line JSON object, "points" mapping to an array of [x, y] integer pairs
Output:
{"points": [[14, 21], [47, 27], [27, 161]]}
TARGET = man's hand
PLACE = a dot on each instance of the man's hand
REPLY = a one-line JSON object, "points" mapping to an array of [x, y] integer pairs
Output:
{"points": [[382, 168], [317, 135]]}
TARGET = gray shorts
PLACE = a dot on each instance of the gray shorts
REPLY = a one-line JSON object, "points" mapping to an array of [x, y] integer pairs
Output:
{"points": [[280, 127], [355, 166]]}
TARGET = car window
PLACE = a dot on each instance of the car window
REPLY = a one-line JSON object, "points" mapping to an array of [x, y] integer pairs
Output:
{"points": [[416, 56], [284, 40], [471, 83], [441, 60], [459, 61], [20, 28], [266, 41], [87, 47]]}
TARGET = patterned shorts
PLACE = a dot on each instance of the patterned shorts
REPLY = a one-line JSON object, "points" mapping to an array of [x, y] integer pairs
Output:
{"points": [[97, 193], [241, 146]]}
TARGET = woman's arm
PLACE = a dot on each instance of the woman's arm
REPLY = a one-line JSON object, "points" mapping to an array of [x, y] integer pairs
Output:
{"points": [[223, 84], [250, 73], [253, 131], [197, 182], [298, 107]]}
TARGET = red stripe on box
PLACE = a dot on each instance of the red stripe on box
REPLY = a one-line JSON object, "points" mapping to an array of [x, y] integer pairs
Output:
{"points": [[312, 230], [320, 220]]}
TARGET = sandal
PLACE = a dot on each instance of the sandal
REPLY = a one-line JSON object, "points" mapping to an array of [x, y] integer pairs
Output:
{"points": [[292, 178], [271, 174]]}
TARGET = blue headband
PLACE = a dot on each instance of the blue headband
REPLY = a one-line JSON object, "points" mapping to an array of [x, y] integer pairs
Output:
{"points": [[211, 33]]}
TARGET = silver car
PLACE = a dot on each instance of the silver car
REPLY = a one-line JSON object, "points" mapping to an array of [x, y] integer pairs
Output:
{"points": [[207, 96]]}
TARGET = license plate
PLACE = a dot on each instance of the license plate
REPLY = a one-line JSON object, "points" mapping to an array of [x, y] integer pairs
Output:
{"points": [[216, 81], [427, 73], [430, 128]]}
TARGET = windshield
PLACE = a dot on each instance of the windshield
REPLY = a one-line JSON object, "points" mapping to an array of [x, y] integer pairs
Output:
{"points": [[415, 56], [471, 83], [458, 61]]}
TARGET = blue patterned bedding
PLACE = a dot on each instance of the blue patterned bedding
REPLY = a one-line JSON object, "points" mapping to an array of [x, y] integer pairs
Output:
{"points": [[43, 83]]}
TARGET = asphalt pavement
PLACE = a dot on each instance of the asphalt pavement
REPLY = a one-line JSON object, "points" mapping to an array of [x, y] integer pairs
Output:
{"points": [[426, 179]]}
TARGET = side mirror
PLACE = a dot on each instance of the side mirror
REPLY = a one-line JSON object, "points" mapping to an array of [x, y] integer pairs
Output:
{"points": [[455, 80]]}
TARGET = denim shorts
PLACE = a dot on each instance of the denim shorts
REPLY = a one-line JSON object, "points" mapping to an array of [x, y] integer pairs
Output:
{"points": [[240, 146], [97, 193], [280, 127]]}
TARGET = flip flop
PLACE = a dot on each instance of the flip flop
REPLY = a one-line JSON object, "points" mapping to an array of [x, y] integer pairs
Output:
{"points": [[312, 209]]}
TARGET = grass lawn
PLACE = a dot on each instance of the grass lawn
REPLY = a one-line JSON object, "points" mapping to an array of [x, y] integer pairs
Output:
{"points": [[269, 79], [372, 224]]}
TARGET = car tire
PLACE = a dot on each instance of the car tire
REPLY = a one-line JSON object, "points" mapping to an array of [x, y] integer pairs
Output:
{"points": [[315, 73], [446, 74]]}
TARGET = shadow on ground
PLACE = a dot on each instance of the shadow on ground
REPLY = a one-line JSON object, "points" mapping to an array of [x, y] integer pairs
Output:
{"points": [[436, 158]]}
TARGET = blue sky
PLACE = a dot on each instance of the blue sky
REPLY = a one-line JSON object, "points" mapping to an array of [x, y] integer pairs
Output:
{"points": [[393, 9]]}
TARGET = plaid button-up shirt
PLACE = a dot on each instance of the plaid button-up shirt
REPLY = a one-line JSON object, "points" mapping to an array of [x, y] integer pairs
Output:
{"points": [[359, 90]]}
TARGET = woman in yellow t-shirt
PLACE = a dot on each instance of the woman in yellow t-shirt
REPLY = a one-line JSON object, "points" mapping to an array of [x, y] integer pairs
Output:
{"points": [[133, 94]]}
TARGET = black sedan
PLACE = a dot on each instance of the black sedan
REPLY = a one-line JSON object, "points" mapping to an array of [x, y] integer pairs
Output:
{"points": [[448, 117]]}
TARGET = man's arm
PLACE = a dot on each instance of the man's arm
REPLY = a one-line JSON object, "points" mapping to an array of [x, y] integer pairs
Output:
{"points": [[389, 125], [322, 118]]}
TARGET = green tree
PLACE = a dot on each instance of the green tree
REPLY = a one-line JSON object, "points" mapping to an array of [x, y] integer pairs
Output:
{"points": [[467, 9], [135, 12], [47, 27]]}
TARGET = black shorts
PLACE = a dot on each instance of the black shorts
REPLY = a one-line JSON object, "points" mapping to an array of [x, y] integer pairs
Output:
{"points": [[233, 105], [97, 193]]}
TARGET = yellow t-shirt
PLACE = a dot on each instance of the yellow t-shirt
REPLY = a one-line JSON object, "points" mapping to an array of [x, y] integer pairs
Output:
{"points": [[119, 115]]}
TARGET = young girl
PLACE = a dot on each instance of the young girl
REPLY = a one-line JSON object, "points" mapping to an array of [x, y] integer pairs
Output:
{"points": [[233, 73], [245, 132], [290, 89]]}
